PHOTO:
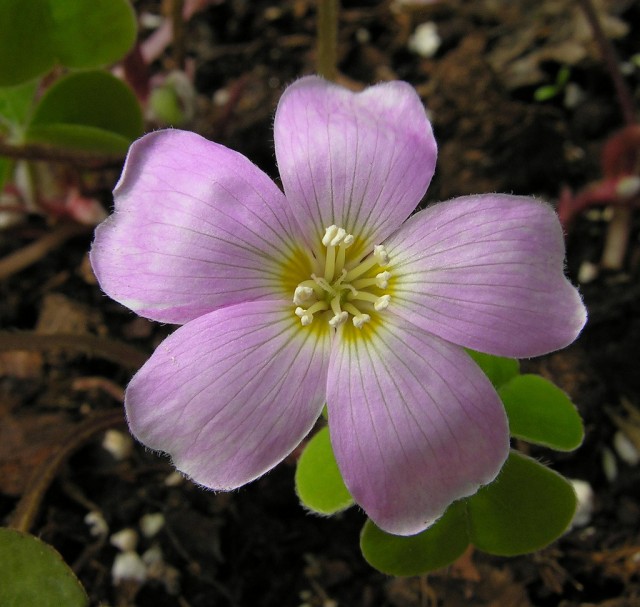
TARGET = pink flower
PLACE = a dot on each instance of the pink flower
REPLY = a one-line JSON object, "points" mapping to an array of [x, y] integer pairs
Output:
{"points": [[323, 294]]}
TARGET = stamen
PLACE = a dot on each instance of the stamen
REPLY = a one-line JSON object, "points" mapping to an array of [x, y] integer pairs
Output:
{"points": [[382, 279], [339, 288], [382, 303], [381, 255], [335, 305], [360, 320], [330, 263], [302, 295], [306, 316], [339, 319], [379, 303], [329, 235]]}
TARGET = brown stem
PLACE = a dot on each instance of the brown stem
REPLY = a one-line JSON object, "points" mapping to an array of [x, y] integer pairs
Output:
{"points": [[109, 349], [29, 505], [49, 153], [23, 258]]}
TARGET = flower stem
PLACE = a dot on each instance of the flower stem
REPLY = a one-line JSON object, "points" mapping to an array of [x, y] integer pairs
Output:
{"points": [[328, 38]]}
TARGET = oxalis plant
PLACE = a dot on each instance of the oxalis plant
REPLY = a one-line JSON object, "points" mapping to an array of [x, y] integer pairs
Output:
{"points": [[331, 305], [332, 292]]}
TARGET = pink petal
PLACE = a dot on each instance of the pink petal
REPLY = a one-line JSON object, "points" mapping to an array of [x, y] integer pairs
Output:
{"points": [[486, 272], [230, 394], [361, 161], [414, 423], [196, 227]]}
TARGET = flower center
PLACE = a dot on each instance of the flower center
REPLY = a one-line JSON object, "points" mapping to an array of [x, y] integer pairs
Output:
{"points": [[344, 286]]}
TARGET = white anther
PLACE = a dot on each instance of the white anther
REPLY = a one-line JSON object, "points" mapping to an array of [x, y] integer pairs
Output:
{"points": [[305, 317], [382, 303], [339, 319], [329, 235], [302, 295], [339, 237], [382, 279], [381, 255], [348, 240], [360, 320]]}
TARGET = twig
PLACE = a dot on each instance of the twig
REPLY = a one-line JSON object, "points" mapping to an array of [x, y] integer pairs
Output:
{"points": [[36, 151], [23, 258], [109, 349], [29, 505]]}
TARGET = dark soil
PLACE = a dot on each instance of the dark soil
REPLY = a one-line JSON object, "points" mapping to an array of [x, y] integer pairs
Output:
{"points": [[257, 546]]}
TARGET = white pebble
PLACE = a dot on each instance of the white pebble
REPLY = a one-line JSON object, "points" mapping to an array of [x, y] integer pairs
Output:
{"points": [[425, 40], [97, 525], [625, 449], [588, 272], [128, 566], [118, 444], [125, 540], [585, 496], [153, 555], [221, 97], [174, 479], [150, 524]]}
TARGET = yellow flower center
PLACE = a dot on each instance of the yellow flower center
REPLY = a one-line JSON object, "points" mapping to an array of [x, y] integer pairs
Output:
{"points": [[344, 286]]}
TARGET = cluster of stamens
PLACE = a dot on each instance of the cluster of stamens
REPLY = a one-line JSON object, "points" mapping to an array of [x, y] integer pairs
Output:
{"points": [[344, 286]]}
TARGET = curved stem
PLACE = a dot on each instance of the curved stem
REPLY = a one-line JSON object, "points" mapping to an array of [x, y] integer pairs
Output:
{"points": [[29, 505]]}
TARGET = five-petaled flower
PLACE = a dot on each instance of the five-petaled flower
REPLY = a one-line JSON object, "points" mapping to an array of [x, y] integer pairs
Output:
{"points": [[322, 294]]}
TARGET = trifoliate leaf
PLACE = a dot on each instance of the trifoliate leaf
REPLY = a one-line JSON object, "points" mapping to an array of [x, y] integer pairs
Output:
{"points": [[437, 547], [34, 574], [38, 34], [541, 413], [319, 484], [524, 509], [497, 368], [89, 110]]}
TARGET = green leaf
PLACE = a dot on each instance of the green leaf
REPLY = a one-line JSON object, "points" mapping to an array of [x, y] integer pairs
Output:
{"points": [[319, 484], [524, 509], [16, 103], [92, 33], [37, 34], [165, 104], [437, 547], [25, 42], [544, 93], [541, 413], [34, 574], [497, 368], [92, 110]]}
